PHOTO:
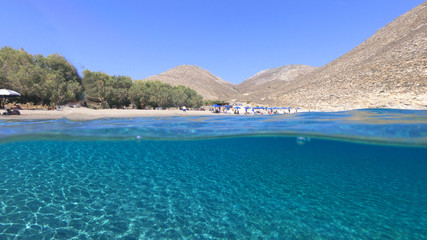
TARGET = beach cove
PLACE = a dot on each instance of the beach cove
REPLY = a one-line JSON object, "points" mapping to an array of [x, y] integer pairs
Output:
{"points": [[213, 120], [348, 175]]}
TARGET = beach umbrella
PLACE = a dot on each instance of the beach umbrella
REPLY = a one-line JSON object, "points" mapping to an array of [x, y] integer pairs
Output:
{"points": [[237, 107], [227, 106], [216, 105], [4, 93]]}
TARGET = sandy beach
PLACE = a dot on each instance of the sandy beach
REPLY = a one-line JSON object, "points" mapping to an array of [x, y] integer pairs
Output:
{"points": [[82, 113], [88, 114]]}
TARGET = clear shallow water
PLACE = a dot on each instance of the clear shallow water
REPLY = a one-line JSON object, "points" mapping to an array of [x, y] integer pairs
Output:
{"points": [[375, 126], [257, 187]]}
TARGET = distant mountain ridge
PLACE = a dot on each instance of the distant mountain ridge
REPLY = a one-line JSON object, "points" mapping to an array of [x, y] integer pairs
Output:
{"points": [[254, 87], [388, 70], [205, 83], [284, 73]]}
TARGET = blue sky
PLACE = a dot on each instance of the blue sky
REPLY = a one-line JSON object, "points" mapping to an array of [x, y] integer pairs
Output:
{"points": [[233, 39]]}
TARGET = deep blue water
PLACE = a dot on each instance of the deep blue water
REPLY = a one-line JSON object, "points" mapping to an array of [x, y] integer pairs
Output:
{"points": [[287, 177]]}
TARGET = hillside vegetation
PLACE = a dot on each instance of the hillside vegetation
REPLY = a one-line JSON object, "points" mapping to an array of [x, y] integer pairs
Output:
{"points": [[50, 80], [53, 81]]}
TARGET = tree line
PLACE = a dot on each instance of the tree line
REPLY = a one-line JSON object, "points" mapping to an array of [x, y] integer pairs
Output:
{"points": [[53, 81]]}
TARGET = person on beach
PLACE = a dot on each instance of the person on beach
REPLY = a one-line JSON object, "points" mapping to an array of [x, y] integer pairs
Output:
{"points": [[11, 112], [184, 109]]}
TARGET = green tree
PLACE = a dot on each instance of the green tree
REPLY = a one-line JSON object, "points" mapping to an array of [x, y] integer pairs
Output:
{"points": [[61, 81], [158, 94], [20, 73], [48, 80], [104, 90], [179, 96], [138, 94], [118, 90], [193, 98], [95, 85], [53, 80]]}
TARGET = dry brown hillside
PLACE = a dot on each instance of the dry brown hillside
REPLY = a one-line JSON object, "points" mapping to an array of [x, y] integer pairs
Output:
{"points": [[205, 83], [255, 87], [388, 70]]}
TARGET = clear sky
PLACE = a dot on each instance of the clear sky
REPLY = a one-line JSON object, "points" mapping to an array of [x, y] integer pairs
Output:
{"points": [[233, 39]]}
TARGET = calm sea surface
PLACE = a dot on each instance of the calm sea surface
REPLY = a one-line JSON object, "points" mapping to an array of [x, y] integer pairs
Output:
{"points": [[346, 175]]}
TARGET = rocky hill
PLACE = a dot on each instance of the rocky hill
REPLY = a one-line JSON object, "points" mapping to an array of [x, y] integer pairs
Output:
{"points": [[205, 83], [255, 87], [388, 70]]}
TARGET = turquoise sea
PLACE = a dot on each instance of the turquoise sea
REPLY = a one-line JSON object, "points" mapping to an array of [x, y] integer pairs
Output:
{"points": [[345, 175]]}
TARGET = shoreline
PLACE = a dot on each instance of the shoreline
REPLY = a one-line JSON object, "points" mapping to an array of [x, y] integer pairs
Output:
{"points": [[82, 113], [90, 114]]}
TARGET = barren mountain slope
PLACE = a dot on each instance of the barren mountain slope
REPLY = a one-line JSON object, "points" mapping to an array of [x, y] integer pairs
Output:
{"points": [[205, 83], [387, 70], [254, 85]]}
